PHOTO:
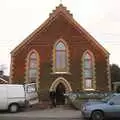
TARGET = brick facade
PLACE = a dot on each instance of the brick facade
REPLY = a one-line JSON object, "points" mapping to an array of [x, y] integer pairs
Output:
{"points": [[61, 25]]}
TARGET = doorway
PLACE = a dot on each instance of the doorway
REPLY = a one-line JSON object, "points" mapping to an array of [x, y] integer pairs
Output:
{"points": [[60, 86], [60, 98]]}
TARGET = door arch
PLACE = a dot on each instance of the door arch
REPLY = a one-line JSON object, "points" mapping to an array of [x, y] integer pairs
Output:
{"points": [[63, 81], [60, 86]]}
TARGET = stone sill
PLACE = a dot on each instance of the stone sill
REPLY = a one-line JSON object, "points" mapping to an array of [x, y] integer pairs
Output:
{"points": [[67, 73]]}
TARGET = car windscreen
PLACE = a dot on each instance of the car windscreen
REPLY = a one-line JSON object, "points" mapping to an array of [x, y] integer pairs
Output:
{"points": [[107, 98]]}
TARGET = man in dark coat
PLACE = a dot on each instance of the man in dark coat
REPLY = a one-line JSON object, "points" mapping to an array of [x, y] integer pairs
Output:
{"points": [[52, 98]]}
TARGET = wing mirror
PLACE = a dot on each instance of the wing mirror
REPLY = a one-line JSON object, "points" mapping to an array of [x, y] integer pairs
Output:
{"points": [[111, 103]]}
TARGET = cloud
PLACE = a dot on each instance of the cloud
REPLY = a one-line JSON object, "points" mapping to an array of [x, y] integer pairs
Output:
{"points": [[21, 17]]}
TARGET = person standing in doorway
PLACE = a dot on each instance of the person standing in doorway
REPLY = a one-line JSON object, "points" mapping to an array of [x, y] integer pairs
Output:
{"points": [[52, 98]]}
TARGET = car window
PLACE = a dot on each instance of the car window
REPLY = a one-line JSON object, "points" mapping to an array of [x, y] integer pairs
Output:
{"points": [[107, 98], [115, 100]]}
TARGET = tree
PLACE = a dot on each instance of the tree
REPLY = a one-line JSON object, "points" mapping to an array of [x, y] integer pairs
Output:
{"points": [[115, 73]]}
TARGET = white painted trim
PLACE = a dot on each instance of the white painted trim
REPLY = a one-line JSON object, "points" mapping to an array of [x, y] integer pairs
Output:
{"points": [[89, 89], [68, 73]]}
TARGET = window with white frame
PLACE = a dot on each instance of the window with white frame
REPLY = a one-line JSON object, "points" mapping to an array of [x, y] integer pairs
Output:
{"points": [[60, 57], [88, 70]]}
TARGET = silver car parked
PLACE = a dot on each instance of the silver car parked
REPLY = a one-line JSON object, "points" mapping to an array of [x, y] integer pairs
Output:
{"points": [[109, 107]]}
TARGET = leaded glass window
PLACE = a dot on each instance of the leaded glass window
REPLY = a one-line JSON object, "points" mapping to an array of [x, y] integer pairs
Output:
{"points": [[32, 68], [88, 70], [60, 57]]}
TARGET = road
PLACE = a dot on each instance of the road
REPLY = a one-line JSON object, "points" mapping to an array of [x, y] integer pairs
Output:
{"points": [[24, 118], [48, 114]]}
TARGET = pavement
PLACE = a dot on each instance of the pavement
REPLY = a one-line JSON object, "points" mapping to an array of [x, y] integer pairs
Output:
{"points": [[50, 113]]}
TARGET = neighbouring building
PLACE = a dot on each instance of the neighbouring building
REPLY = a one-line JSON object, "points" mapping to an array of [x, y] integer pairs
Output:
{"points": [[4, 79], [61, 55]]}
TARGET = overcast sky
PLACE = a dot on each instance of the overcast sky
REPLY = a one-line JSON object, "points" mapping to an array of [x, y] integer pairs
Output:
{"points": [[19, 18]]}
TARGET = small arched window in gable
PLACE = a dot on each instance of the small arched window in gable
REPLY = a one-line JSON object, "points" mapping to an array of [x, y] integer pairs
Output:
{"points": [[88, 70]]}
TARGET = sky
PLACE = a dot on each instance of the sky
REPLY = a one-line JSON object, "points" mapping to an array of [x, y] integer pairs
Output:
{"points": [[19, 18]]}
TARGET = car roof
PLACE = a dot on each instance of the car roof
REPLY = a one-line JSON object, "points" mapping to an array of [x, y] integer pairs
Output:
{"points": [[116, 93]]}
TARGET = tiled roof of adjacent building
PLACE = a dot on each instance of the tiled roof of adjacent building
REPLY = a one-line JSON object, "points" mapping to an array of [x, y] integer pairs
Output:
{"points": [[3, 78]]}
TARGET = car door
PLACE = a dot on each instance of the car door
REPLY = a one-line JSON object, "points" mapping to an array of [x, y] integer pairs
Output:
{"points": [[114, 104], [31, 93]]}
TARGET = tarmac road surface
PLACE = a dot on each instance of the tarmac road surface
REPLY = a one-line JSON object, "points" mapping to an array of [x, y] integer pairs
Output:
{"points": [[47, 114]]}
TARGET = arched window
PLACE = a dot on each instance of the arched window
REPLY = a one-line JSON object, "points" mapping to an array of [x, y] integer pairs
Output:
{"points": [[32, 67], [61, 57], [88, 70]]}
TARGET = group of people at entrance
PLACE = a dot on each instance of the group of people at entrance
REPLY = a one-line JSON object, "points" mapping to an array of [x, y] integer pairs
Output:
{"points": [[57, 98]]}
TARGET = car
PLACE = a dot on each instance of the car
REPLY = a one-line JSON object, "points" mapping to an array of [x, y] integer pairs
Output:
{"points": [[109, 107], [16, 96]]}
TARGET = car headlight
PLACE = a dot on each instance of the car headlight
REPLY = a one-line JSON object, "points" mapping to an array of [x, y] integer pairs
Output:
{"points": [[83, 108]]}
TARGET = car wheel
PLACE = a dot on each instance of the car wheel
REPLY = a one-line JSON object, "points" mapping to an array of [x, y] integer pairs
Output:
{"points": [[13, 108], [97, 115]]}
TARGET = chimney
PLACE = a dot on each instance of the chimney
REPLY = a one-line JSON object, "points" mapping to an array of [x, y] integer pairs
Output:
{"points": [[1, 72]]}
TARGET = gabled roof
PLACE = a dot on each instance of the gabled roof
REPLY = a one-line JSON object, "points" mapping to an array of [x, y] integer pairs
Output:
{"points": [[60, 10], [4, 79]]}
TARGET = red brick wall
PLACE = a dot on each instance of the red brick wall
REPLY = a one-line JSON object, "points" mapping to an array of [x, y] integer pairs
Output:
{"points": [[77, 43]]}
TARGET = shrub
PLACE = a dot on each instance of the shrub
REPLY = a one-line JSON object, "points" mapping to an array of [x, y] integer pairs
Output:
{"points": [[78, 98]]}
